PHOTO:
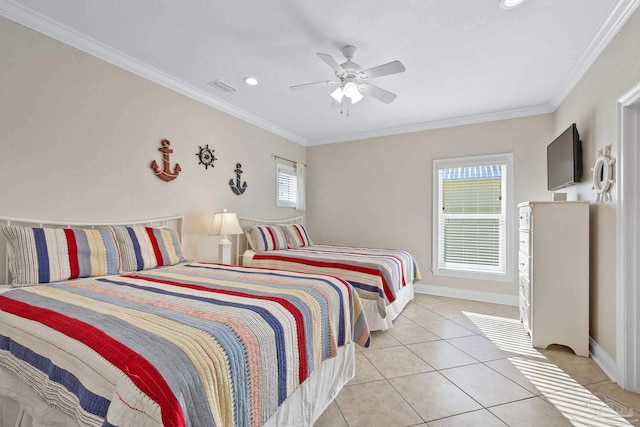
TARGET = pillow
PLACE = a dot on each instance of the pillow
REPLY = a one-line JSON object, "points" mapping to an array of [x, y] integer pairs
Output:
{"points": [[268, 238], [247, 234], [297, 235], [142, 248], [43, 255]]}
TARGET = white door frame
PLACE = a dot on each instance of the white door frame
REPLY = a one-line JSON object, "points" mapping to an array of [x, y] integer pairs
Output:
{"points": [[627, 249]]}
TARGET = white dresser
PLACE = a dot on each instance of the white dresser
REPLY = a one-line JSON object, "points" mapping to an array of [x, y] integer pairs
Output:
{"points": [[553, 262]]}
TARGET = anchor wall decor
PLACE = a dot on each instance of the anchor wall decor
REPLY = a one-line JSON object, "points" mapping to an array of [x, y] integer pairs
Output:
{"points": [[165, 173], [235, 186]]}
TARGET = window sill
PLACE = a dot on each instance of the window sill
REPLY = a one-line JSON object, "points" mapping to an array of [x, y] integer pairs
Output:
{"points": [[475, 275]]}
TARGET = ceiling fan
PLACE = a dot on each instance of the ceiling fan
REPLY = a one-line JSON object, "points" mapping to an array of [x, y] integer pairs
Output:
{"points": [[353, 82]]}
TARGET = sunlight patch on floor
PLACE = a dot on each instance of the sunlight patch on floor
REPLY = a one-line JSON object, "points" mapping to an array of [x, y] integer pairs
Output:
{"points": [[580, 406]]}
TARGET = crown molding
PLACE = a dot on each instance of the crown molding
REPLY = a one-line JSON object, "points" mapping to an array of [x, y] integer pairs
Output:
{"points": [[64, 34], [619, 15], [438, 124]]}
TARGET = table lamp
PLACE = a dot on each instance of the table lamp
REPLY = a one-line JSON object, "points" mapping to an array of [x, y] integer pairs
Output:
{"points": [[225, 223]]}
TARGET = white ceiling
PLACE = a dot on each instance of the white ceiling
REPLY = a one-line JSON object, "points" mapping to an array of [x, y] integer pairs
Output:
{"points": [[466, 60]]}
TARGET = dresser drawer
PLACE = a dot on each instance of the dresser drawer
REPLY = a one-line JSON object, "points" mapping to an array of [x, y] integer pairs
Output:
{"points": [[525, 288], [524, 217], [525, 314], [524, 242], [524, 262]]}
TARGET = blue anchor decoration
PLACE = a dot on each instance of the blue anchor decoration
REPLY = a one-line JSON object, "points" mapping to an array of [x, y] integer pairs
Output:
{"points": [[235, 186]]}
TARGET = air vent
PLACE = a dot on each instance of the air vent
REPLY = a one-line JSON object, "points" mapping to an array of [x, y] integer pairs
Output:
{"points": [[222, 86]]}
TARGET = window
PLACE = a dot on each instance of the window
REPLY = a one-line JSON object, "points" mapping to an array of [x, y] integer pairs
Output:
{"points": [[286, 185], [472, 217]]}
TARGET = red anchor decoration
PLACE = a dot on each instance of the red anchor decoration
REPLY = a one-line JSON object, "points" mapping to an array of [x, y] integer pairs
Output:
{"points": [[166, 174]]}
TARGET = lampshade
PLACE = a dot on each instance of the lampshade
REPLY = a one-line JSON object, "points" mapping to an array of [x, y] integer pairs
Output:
{"points": [[225, 223]]}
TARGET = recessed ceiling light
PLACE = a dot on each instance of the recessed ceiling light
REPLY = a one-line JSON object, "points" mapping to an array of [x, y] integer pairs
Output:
{"points": [[251, 81], [510, 4]]}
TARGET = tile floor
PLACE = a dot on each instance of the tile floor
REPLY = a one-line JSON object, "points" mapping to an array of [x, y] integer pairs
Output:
{"points": [[452, 362]]}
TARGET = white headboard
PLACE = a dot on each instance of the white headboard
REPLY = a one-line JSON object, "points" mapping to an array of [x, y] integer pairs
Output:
{"points": [[172, 222], [241, 241]]}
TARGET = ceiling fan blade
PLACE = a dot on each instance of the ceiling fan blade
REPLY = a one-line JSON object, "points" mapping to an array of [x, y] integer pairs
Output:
{"points": [[328, 59], [377, 93], [393, 67], [307, 85]]}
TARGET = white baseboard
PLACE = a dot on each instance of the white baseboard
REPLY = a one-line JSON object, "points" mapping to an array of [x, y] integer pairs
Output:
{"points": [[443, 291], [603, 360]]}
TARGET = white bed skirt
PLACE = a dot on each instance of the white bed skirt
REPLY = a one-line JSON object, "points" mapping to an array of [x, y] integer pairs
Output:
{"points": [[370, 307], [20, 406]]}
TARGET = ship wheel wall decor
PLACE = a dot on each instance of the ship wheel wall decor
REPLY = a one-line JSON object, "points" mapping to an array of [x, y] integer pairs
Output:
{"points": [[236, 187], [603, 174], [206, 156]]}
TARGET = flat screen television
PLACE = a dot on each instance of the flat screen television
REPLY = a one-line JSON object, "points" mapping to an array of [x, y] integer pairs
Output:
{"points": [[564, 160]]}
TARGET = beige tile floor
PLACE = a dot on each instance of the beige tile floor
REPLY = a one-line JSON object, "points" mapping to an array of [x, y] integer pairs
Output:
{"points": [[452, 362]]}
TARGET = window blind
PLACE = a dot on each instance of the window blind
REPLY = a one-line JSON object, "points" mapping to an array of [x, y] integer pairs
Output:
{"points": [[287, 185], [472, 218]]}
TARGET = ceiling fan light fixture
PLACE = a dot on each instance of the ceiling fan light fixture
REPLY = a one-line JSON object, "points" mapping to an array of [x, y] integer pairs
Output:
{"points": [[350, 88], [337, 94], [356, 96], [351, 91], [510, 4]]}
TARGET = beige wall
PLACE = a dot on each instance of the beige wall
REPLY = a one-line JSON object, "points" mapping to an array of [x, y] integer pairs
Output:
{"points": [[379, 191], [77, 136], [592, 105]]}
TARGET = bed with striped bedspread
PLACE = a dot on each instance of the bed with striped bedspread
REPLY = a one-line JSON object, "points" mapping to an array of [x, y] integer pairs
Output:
{"points": [[188, 345], [377, 274]]}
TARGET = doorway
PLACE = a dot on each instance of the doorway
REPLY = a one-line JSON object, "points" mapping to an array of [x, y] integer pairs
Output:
{"points": [[627, 228]]}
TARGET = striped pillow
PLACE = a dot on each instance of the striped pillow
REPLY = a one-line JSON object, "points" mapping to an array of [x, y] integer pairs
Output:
{"points": [[297, 235], [142, 248], [268, 238], [44, 255]]}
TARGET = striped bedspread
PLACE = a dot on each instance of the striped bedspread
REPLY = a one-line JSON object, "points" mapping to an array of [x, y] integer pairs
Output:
{"points": [[189, 345], [377, 274]]}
